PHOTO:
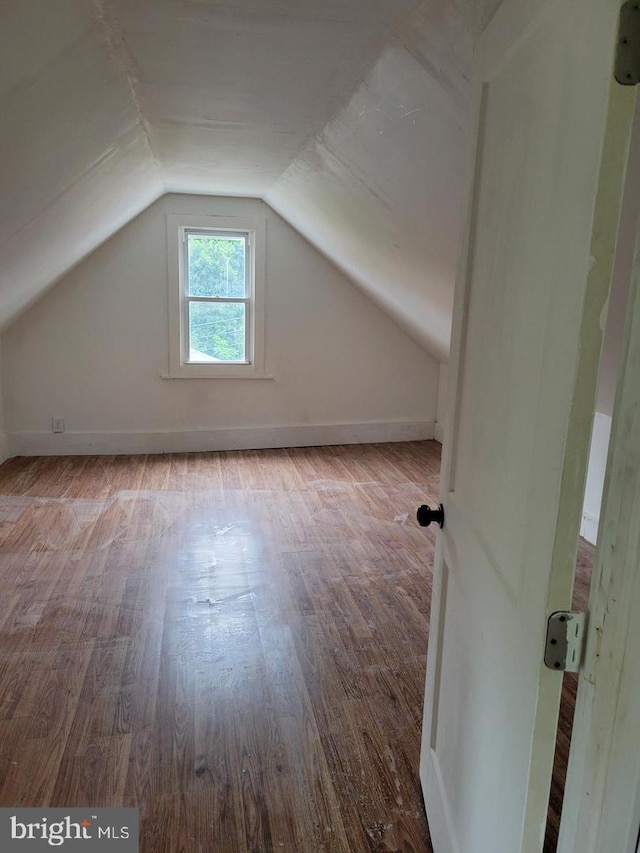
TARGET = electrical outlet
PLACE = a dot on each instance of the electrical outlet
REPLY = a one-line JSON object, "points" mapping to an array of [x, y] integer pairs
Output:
{"points": [[57, 424]]}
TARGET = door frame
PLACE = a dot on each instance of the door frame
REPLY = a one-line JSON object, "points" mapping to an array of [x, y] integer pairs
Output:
{"points": [[601, 809]]}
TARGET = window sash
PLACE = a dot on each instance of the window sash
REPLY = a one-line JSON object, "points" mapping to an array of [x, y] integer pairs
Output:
{"points": [[245, 236], [186, 337], [247, 300]]}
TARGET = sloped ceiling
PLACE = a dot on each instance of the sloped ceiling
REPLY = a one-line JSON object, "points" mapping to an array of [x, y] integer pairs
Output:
{"points": [[348, 116]]}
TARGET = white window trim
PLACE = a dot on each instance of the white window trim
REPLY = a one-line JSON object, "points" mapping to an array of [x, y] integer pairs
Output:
{"points": [[179, 368]]}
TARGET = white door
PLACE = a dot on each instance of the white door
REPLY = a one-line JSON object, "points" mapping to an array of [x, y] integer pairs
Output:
{"points": [[547, 176]]}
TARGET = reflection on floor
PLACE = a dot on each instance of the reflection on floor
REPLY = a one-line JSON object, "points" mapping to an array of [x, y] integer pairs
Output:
{"points": [[233, 642]]}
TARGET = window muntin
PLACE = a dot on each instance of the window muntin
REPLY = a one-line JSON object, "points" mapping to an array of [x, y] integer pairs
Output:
{"points": [[217, 296]]}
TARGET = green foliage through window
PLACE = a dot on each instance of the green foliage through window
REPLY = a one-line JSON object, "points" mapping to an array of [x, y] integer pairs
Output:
{"points": [[216, 269], [217, 330], [216, 265]]}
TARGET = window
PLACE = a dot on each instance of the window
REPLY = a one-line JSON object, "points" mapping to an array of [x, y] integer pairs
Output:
{"points": [[216, 272], [217, 297]]}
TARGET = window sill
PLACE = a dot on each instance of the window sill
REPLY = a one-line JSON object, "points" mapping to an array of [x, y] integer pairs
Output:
{"points": [[205, 372]]}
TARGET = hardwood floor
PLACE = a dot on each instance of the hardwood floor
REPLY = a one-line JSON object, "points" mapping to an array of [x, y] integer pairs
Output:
{"points": [[233, 642]]}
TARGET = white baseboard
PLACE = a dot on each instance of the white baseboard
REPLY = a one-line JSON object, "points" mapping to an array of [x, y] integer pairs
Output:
{"points": [[438, 431], [244, 438], [589, 527]]}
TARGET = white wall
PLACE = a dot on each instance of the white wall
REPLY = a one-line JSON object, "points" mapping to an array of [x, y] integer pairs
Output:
{"points": [[595, 476], [93, 349], [613, 337], [442, 401]]}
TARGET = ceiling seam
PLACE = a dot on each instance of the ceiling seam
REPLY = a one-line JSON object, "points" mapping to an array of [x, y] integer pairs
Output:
{"points": [[390, 36], [119, 53], [95, 165]]}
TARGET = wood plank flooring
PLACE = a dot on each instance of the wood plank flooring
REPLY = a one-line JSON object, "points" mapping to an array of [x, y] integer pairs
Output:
{"points": [[233, 642]]}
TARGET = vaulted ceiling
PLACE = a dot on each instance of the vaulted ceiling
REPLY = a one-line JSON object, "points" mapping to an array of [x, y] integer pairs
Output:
{"points": [[349, 117]]}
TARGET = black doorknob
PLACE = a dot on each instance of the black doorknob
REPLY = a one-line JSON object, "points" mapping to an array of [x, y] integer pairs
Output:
{"points": [[426, 515]]}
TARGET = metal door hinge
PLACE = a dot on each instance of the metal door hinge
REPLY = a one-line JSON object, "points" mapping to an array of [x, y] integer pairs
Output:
{"points": [[565, 635], [627, 64]]}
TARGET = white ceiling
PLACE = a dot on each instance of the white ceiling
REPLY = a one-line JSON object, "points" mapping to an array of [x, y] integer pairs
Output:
{"points": [[348, 116], [232, 90]]}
